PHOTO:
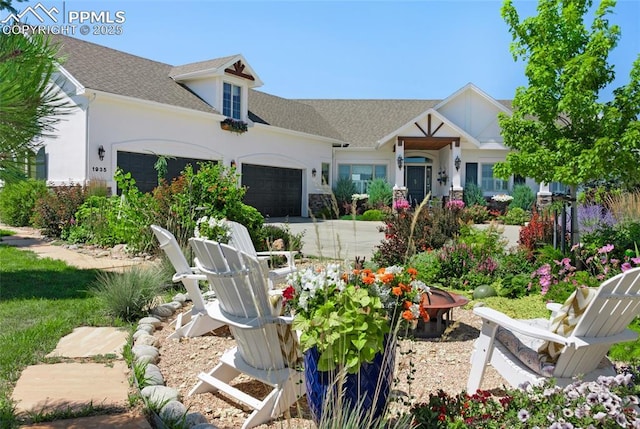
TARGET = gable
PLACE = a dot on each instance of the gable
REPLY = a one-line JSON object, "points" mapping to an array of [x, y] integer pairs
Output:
{"points": [[474, 112]]}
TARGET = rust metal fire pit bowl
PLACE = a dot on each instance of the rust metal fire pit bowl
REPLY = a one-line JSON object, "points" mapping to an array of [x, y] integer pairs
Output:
{"points": [[439, 304]]}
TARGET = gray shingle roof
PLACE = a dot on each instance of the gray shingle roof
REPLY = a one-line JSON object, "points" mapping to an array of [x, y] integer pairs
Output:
{"points": [[105, 69], [290, 114], [362, 123], [200, 66]]}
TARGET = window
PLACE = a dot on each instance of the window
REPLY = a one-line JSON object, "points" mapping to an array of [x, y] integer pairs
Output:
{"points": [[558, 188], [362, 174], [325, 173], [231, 97], [491, 184]]}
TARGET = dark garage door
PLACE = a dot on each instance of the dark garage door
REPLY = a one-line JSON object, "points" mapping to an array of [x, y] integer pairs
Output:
{"points": [[274, 191], [141, 167]]}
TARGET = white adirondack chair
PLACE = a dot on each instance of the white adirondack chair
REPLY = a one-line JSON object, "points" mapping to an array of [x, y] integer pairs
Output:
{"points": [[241, 240], [197, 321], [267, 348], [603, 323]]}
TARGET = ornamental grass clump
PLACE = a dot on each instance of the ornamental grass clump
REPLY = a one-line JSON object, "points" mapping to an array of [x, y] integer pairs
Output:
{"points": [[347, 315]]}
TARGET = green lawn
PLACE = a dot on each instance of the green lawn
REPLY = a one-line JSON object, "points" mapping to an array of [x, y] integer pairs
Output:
{"points": [[41, 300]]}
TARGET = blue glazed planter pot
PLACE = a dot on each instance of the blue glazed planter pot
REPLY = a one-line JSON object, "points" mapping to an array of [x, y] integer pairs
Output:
{"points": [[370, 386]]}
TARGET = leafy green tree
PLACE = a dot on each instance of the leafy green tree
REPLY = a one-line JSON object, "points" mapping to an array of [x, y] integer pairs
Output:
{"points": [[559, 129], [31, 103]]}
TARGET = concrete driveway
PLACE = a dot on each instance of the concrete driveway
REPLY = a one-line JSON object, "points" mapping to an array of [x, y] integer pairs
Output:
{"points": [[335, 239], [346, 239]]}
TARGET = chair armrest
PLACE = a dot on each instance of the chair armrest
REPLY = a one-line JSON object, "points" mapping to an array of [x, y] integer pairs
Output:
{"points": [[554, 307], [177, 277], [505, 321], [289, 254]]}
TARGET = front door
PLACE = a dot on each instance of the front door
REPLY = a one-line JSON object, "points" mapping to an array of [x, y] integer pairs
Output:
{"points": [[418, 182]]}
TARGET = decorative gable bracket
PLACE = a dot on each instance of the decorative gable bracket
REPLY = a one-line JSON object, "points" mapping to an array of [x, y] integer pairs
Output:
{"points": [[238, 70]]}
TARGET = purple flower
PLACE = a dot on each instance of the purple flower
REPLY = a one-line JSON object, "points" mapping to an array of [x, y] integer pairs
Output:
{"points": [[626, 266]]}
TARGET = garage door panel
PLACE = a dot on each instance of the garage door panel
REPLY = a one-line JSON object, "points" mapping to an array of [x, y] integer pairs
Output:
{"points": [[273, 191]]}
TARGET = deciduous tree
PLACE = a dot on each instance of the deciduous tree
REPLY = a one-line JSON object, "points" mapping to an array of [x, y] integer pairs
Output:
{"points": [[560, 130]]}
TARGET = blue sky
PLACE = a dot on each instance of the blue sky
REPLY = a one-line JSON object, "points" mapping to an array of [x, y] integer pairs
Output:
{"points": [[344, 49]]}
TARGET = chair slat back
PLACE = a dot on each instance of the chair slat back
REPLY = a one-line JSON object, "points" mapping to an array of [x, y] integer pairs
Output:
{"points": [[240, 238], [171, 248], [616, 304], [242, 291], [234, 277]]}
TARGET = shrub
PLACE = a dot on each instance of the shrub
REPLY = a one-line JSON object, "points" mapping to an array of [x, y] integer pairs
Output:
{"points": [[343, 191], [18, 200], [128, 295], [523, 197], [475, 214], [428, 266], [130, 216], [55, 212], [456, 260], [271, 233], [380, 193], [408, 232], [93, 222], [472, 195], [515, 216], [372, 215], [539, 231]]}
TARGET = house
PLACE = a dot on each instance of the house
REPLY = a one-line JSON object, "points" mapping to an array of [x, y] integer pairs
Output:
{"points": [[130, 110]]}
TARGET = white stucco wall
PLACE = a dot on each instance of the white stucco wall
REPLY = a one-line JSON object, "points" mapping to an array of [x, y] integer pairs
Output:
{"points": [[66, 151]]}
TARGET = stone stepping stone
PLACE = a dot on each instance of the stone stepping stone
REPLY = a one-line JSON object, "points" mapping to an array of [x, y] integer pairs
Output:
{"points": [[118, 421], [64, 385], [87, 341]]}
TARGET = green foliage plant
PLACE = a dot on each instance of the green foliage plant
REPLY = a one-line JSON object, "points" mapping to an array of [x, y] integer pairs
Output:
{"points": [[428, 266], [32, 101], [343, 190], [372, 215], [472, 195], [515, 216], [54, 213], [523, 197], [134, 212], [128, 295], [475, 214], [380, 193], [348, 316], [271, 233], [18, 200]]}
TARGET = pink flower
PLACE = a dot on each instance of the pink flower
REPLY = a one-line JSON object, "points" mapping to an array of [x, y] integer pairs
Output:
{"points": [[606, 249], [626, 266]]}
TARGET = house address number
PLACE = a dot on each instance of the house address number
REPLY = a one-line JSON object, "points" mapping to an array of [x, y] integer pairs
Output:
{"points": [[100, 169]]}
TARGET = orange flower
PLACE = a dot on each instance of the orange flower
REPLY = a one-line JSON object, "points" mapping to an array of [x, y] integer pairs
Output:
{"points": [[407, 315], [404, 287], [367, 271], [412, 271], [386, 278], [397, 291], [380, 271], [407, 305], [369, 280]]}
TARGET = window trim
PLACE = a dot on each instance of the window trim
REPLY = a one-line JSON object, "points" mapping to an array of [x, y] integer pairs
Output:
{"points": [[232, 104]]}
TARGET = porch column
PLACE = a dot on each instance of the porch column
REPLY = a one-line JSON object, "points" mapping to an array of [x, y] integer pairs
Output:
{"points": [[456, 173], [399, 164], [544, 196], [399, 189]]}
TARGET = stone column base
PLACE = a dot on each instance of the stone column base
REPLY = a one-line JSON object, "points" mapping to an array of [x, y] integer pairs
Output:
{"points": [[543, 199]]}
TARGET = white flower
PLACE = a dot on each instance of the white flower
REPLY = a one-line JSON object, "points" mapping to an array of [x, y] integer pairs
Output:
{"points": [[502, 198]]}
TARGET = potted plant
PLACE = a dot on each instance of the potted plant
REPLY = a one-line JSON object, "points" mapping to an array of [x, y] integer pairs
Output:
{"points": [[234, 125], [347, 323]]}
